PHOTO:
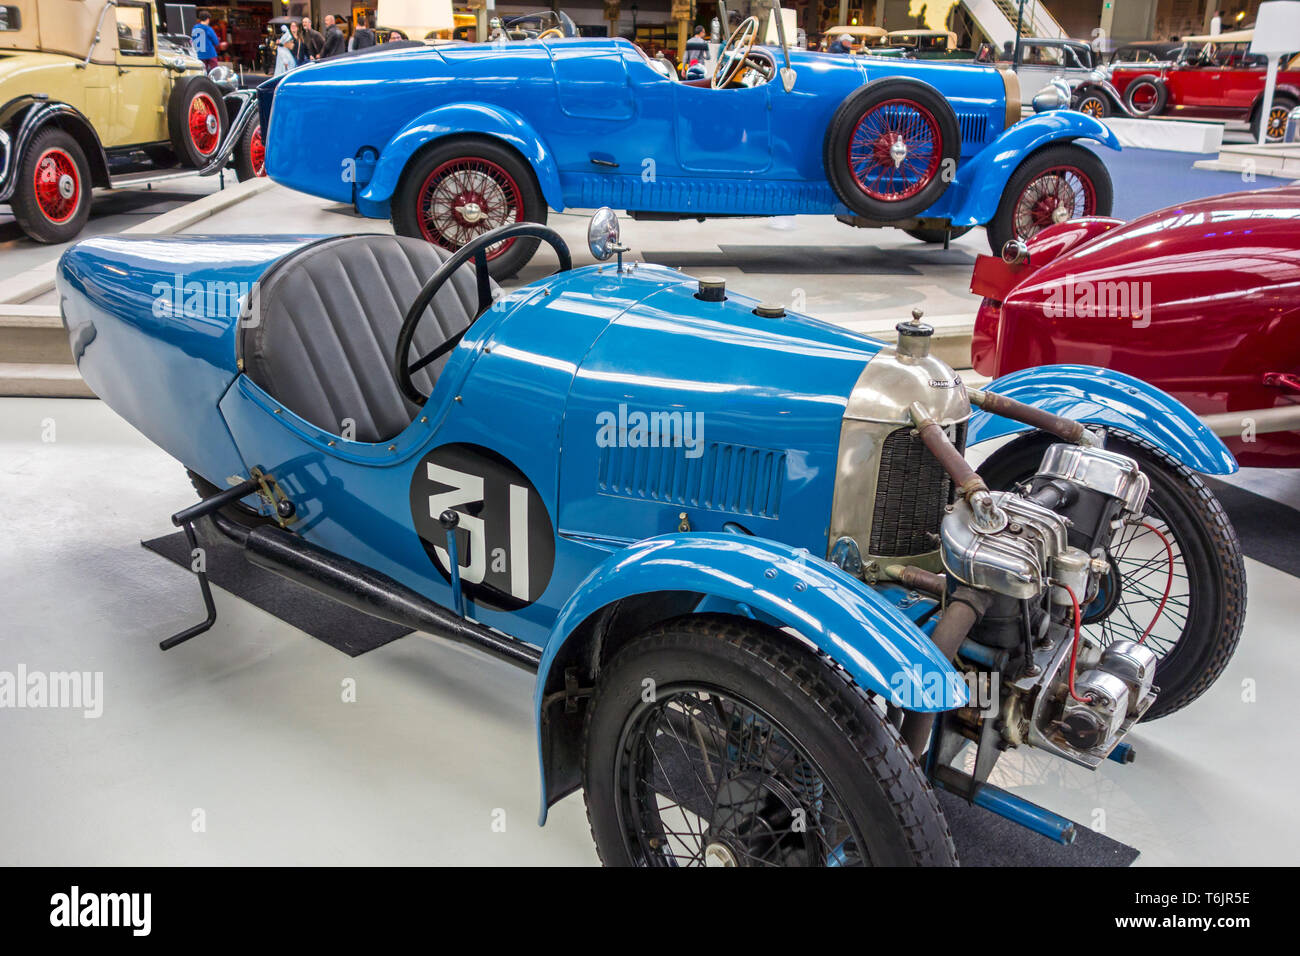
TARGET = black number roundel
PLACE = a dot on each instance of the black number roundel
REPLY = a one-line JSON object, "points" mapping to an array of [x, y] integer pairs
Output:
{"points": [[505, 543]]}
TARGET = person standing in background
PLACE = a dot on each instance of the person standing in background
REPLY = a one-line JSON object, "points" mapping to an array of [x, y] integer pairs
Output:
{"points": [[284, 58], [313, 43], [364, 37], [1216, 24], [205, 40], [334, 42]]}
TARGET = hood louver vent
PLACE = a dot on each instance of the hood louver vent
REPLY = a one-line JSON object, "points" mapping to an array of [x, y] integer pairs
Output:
{"points": [[736, 479]]}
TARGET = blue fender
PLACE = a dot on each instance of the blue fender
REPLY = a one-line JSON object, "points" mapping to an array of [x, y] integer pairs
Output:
{"points": [[988, 171], [447, 120], [855, 626], [1099, 396]]}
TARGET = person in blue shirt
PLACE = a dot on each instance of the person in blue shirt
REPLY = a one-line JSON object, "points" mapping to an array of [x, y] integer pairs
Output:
{"points": [[205, 40]]}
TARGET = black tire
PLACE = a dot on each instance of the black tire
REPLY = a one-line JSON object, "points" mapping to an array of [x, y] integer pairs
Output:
{"points": [[196, 149], [1005, 226], [1206, 543], [520, 194], [57, 208], [937, 236], [1282, 105], [247, 163], [851, 758], [1093, 104], [1147, 82], [923, 100]]}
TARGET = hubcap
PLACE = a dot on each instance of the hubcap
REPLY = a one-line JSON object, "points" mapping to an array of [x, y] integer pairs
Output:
{"points": [[67, 186], [898, 152]]}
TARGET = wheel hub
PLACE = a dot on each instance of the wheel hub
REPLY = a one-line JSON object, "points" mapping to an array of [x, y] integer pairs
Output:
{"points": [[898, 151], [719, 854], [67, 186], [469, 210]]}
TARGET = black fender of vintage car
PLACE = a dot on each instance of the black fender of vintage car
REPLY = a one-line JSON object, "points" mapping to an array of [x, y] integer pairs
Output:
{"points": [[25, 116]]}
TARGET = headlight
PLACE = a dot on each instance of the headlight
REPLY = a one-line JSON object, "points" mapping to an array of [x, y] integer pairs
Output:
{"points": [[1051, 97]]}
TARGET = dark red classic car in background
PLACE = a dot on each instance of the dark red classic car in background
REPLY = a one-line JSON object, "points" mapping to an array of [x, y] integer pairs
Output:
{"points": [[1201, 299], [1213, 78]]}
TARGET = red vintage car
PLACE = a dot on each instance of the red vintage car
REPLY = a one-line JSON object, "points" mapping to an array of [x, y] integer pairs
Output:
{"points": [[1201, 300], [1213, 78]]}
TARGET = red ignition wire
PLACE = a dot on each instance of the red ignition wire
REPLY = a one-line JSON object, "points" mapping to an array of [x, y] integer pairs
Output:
{"points": [[1074, 650], [1169, 580]]}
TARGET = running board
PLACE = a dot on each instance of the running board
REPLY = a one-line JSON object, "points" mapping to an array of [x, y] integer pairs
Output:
{"points": [[340, 579]]}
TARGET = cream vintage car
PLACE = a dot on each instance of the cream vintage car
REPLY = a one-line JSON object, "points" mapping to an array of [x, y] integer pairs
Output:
{"points": [[90, 93]]}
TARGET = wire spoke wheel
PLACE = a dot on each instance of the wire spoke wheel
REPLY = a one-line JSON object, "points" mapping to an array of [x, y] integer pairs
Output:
{"points": [[1056, 195], [464, 198], [204, 124], [257, 153], [1148, 597], [56, 186], [895, 150], [709, 779]]}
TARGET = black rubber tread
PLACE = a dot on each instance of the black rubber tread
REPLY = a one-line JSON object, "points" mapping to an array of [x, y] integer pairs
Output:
{"points": [[27, 210], [1162, 94], [406, 216], [937, 236], [842, 124], [1002, 228], [178, 110], [1180, 686], [806, 679], [243, 155]]}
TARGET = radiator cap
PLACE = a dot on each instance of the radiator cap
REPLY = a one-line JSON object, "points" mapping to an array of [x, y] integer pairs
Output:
{"points": [[914, 336]]}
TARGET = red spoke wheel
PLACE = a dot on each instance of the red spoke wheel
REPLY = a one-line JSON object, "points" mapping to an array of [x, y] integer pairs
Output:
{"points": [[250, 155], [891, 148], [51, 199], [1053, 185], [197, 120], [1146, 96], [454, 193]]}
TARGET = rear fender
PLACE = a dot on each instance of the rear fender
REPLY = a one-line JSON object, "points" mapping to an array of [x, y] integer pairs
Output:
{"points": [[1112, 400], [455, 119], [25, 116], [786, 588], [986, 174]]}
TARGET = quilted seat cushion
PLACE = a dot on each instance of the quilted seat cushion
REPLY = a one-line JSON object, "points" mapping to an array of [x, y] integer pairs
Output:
{"points": [[330, 315]]}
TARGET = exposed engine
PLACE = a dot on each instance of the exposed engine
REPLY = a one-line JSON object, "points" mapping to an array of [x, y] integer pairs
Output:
{"points": [[1039, 552]]}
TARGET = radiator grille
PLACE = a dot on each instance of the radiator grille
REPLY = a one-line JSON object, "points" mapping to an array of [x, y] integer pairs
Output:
{"points": [[911, 492], [738, 479]]}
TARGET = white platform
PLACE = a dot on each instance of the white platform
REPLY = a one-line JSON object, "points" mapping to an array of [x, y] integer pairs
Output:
{"points": [[1172, 135]]}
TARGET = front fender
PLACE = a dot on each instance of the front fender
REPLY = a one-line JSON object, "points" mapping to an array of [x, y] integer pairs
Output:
{"points": [[477, 118], [1113, 400], [35, 115], [855, 626], [988, 171], [1103, 88]]}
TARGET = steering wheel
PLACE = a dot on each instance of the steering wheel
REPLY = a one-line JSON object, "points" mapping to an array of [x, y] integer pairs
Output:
{"points": [[476, 249], [731, 61], [552, 32]]}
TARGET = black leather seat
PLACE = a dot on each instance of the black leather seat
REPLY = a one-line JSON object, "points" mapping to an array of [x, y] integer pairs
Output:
{"points": [[329, 318]]}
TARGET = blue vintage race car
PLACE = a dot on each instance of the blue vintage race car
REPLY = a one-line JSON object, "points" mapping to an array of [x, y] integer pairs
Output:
{"points": [[741, 548], [456, 140]]}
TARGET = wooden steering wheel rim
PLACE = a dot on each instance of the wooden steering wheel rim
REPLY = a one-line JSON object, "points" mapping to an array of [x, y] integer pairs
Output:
{"points": [[552, 32], [750, 25]]}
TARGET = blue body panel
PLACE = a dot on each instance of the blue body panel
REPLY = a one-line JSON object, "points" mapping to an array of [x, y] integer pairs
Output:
{"points": [[862, 629], [1113, 400], [600, 126], [152, 325]]}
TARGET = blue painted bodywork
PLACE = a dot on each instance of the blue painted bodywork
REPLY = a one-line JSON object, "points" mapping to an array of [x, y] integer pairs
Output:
{"points": [[600, 126], [1114, 401]]}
